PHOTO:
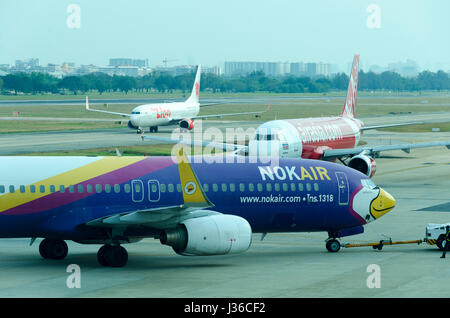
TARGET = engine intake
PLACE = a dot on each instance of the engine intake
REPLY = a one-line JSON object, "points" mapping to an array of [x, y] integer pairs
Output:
{"points": [[364, 164], [209, 235], [187, 124]]}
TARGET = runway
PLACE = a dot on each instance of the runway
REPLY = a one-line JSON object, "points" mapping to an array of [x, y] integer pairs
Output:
{"points": [[282, 265]]}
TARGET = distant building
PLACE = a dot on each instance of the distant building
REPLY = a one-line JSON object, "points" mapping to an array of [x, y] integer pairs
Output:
{"points": [[128, 62], [278, 68]]}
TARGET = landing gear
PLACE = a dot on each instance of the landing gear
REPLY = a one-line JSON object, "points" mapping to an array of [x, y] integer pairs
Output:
{"points": [[53, 249], [333, 245], [154, 129], [112, 255]]}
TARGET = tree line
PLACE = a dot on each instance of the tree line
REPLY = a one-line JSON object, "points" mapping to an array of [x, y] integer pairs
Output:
{"points": [[36, 83]]}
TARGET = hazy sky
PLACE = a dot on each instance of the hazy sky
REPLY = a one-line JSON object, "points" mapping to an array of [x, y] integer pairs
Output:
{"points": [[211, 32]]}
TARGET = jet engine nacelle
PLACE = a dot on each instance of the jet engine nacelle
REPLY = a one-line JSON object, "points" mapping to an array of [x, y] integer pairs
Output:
{"points": [[364, 164], [131, 126], [209, 235], [187, 124]]}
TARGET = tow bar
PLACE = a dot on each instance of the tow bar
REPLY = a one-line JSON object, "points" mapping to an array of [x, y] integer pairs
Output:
{"points": [[379, 245]]}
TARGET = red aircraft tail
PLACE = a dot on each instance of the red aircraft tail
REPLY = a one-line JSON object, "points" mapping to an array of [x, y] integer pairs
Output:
{"points": [[352, 92]]}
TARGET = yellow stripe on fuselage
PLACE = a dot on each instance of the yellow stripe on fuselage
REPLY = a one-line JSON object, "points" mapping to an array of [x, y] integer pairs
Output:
{"points": [[86, 172]]}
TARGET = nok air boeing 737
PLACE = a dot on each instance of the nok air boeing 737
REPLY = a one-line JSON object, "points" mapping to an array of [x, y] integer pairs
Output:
{"points": [[197, 208]]}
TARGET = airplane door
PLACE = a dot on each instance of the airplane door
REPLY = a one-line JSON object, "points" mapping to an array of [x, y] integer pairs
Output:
{"points": [[342, 188], [153, 191], [137, 190]]}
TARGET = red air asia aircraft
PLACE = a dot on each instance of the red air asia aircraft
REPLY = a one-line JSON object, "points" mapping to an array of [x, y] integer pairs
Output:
{"points": [[325, 138], [163, 114]]}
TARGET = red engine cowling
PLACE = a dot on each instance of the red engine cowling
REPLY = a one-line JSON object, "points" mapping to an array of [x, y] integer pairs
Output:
{"points": [[187, 124], [364, 164]]}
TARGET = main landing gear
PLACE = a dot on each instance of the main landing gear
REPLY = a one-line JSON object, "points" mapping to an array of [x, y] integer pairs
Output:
{"points": [[112, 255], [154, 129], [53, 249]]}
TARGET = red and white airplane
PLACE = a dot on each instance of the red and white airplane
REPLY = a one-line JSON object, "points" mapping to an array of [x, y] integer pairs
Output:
{"points": [[324, 138], [163, 114]]}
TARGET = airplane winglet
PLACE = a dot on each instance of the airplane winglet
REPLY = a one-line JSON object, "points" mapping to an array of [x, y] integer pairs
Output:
{"points": [[87, 103], [268, 107], [193, 194]]}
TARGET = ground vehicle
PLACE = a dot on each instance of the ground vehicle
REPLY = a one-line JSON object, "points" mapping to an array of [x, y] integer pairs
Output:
{"points": [[435, 234]]}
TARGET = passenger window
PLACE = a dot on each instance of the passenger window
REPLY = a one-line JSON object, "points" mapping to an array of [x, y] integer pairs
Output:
{"points": [[224, 187], [232, 187], [32, 188], [89, 188], [293, 187], [300, 187], [162, 187], [241, 187], [269, 187], [285, 187], [62, 189], [170, 187], [277, 187], [117, 188], [52, 189], [107, 188], [11, 189], [154, 188], [22, 189], [71, 188], [178, 187], [215, 187], [98, 188], [259, 186], [316, 187], [2, 189], [80, 188], [205, 187], [251, 187], [127, 188], [308, 187], [42, 189]]}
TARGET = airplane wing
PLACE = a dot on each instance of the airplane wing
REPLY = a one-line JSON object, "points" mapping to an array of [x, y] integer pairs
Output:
{"points": [[373, 150], [199, 143], [392, 125], [194, 205], [104, 111], [231, 114]]}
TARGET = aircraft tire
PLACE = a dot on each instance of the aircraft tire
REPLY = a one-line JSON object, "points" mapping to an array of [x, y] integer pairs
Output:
{"points": [[101, 255], [116, 256], [154, 129], [43, 248], [333, 246], [53, 249]]}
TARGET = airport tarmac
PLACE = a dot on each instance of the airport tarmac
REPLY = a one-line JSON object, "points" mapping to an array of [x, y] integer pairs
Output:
{"points": [[282, 265], [21, 143]]}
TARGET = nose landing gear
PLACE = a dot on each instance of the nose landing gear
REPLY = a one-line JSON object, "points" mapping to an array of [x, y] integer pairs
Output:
{"points": [[333, 245], [53, 249]]}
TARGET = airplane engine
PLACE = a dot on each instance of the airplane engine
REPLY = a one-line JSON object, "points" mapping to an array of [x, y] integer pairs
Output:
{"points": [[130, 125], [187, 124], [364, 164], [209, 235]]}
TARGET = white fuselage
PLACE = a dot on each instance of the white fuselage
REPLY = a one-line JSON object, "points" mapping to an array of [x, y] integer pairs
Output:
{"points": [[150, 115]]}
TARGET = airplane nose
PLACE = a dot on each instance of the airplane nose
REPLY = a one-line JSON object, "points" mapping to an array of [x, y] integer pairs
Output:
{"points": [[382, 204]]}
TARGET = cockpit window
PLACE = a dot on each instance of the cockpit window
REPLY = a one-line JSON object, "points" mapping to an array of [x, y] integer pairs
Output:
{"points": [[266, 137], [368, 183], [135, 113]]}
